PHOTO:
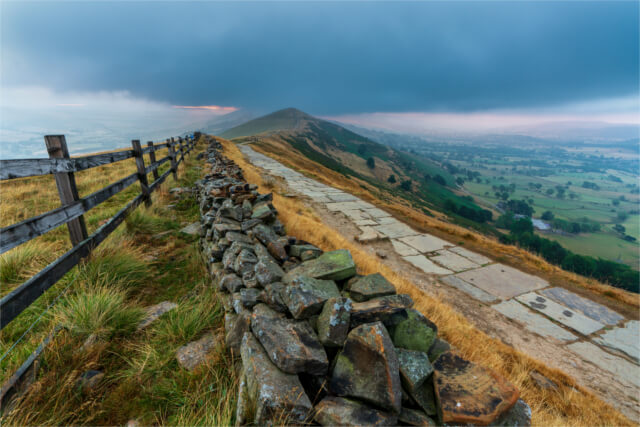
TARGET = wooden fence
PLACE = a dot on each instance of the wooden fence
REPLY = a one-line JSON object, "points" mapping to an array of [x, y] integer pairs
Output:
{"points": [[73, 207]]}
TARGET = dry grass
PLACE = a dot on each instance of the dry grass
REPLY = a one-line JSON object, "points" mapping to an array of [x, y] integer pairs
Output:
{"points": [[570, 405], [626, 302]]}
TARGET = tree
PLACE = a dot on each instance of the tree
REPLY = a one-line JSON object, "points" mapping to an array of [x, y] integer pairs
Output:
{"points": [[547, 215], [622, 216], [616, 202], [550, 191], [392, 179], [362, 149], [440, 180], [406, 185], [371, 163]]}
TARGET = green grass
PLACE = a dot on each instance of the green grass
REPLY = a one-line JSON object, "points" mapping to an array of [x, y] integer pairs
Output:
{"points": [[131, 270]]}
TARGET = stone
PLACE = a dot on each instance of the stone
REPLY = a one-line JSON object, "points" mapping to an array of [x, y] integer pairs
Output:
{"points": [[416, 332], [291, 345], [426, 265], [337, 411], [229, 210], [468, 393], [561, 314], [224, 228], [453, 261], [264, 234], [192, 355], [624, 339], [192, 229], [425, 243], [262, 211], [475, 257], [247, 209], [249, 224], [279, 397], [341, 197], [542, 381], [235, 326], [502, 281], [305, 296], [298, 251], [267, 272], [247, 297], [231, 283], [438, 347], [272, 296], [415, 368], [245, 262], [395, 230], [374, 212], [367, 368], [89, 380], [414, 417], [593, 310], [333, 322], [533, 322], [389, 310], [233, 236], [278, 250], [334, 265], [626, 372], [371, 286], [469, 289], [518, 416], [154, 312], [403, 249], [368, 234], [425, 397]]}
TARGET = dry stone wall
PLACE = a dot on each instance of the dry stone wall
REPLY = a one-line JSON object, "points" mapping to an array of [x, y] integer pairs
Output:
{"points": [[320, 343]]}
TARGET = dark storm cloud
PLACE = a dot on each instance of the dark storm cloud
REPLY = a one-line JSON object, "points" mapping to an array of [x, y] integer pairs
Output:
{"points": [[329, 58]]}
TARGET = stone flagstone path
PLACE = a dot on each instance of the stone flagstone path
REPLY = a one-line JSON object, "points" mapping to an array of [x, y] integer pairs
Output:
{"points": [[595, 331]]}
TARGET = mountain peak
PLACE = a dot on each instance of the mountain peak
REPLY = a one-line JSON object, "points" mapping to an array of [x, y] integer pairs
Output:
{"points": [[285, 119]]}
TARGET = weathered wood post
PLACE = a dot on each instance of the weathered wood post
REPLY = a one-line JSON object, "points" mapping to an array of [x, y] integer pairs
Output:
{"points": [[172, 155], [181, 148], [152, 157], [67, 189], [142, 173]]}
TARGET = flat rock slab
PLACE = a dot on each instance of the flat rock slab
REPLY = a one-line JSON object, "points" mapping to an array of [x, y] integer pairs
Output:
{"points": [[468, 288], [625, 339], [533, 322], [368, 234], [342, 197], [426, 265], [425, 243], [627, 372], [376, 213], [334, 265], [192, 228], [453, 261], [470, 394], [347, 206], [361, 222], [560, 313], [585, 306], [395, 230], [403, 249], [502, 281], [477, 258]]}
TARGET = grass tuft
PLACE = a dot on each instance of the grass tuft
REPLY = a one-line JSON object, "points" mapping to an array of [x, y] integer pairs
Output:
{"points": [[100, 309], [22, 262]]}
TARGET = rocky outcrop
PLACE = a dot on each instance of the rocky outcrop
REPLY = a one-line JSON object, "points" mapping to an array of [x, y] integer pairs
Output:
{"points": [[318, 342]]}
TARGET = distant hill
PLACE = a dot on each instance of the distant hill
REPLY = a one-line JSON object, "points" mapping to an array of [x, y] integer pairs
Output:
{"points": [[421, 181], [287, 119]]}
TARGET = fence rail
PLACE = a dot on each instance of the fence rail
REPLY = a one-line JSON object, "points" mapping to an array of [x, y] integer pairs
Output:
{"points": [[73, 207]]}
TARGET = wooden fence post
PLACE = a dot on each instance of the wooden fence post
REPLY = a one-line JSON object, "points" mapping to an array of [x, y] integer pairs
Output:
{"points": [[172, 155], [142, 174], [181, 148], [67, 189], [152, 157]]}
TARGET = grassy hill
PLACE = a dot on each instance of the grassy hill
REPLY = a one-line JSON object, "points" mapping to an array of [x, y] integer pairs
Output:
{"points": [[424, 183]]}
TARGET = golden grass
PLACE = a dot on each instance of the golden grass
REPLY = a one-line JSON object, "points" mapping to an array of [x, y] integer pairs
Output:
{"points": [[619, 299], [570, 405]]}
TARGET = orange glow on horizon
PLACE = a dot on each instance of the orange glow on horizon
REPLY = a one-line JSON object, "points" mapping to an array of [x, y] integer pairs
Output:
{"points": [[207, 107]]}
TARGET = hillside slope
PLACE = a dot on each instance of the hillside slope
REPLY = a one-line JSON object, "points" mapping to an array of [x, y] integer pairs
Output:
{"points": [[423, 183]]}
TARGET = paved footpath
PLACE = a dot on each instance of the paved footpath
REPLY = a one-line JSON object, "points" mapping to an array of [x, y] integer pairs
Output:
{"points": [[589, 330]]}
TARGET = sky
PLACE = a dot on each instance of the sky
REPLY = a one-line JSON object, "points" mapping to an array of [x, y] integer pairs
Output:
{"points": [[472, 65]]}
